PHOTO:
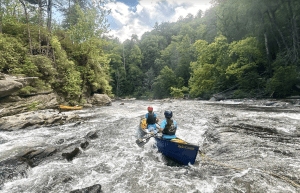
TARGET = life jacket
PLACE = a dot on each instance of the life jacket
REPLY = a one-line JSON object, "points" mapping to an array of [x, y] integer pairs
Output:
{"points": [[170, 128], [151, 119]]}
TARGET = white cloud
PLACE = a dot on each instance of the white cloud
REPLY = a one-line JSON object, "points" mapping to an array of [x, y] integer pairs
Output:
{"points": [[127, 30], [148, 12], [120, 12]]}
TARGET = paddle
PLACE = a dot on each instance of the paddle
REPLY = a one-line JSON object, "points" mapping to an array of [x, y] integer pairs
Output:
{"points": [[142, 141]]}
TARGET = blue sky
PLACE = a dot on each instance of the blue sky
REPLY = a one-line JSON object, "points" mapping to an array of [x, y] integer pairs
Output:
{"points": [[137, 17]]}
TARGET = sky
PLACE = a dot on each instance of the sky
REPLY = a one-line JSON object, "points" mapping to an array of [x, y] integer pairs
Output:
{"points": [[129, 17]]}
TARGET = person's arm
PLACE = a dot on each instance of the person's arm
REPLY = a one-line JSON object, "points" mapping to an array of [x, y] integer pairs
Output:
{"points": [[156, 118], [162, 125]]}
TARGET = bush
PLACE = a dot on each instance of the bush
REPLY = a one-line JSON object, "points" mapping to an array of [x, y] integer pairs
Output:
{"points": [[282, 82], [176, 92]]}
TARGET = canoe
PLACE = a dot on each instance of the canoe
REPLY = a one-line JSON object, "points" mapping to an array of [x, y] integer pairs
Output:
{"points": [[176, 149], [63, 107]]}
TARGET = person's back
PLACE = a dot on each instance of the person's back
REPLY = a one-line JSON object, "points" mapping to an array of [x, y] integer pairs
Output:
{"points": [[168, 126], [151, 120]]}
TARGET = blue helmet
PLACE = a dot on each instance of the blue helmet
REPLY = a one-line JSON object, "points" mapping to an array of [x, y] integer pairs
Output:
{"points": [[168, 114]]}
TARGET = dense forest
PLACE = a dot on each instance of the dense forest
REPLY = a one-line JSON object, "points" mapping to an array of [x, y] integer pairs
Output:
{"points": [[252, 47]]}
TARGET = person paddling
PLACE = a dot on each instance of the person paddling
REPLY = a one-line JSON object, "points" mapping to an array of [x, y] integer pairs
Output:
{"points": [[151, 120], [168, 126]]}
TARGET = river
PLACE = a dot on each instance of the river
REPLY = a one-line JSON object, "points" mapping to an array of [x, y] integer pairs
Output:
{"points": [[255, 147]]}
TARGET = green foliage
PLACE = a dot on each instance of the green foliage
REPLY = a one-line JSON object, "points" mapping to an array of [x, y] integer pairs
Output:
{"points": [[176, 92], [86, 25], [12, 52], [209, 70], [32, 106], [282, 82], [185, 90], [27, 90], [95, 66], [202, 80], [164, 82], [68, 78]]}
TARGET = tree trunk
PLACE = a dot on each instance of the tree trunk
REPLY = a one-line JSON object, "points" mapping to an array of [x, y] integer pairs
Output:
{"points": [[124, 60], [40, 20], [26, 15], [49, 13], [294, 30], [118, 83], [274, 22], [266, 43], [0, 16]]}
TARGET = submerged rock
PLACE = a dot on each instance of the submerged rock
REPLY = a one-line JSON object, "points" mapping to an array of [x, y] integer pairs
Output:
{"points": [[92, 189], [71, 155]]}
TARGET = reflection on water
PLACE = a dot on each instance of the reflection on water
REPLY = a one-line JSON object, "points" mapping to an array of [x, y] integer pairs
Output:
{"points": [[235, 134]]}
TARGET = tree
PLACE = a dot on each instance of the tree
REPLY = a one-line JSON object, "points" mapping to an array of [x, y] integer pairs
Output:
{"points": [[0, 16], [164, 82], [28, 30]]}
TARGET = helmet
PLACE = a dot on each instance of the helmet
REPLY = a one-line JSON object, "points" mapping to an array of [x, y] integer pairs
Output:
{"points": [[150, 108], [168, 114]]}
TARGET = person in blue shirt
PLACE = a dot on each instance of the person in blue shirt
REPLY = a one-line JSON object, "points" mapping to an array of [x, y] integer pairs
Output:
{"points": [[168, 126], [151, 120]]}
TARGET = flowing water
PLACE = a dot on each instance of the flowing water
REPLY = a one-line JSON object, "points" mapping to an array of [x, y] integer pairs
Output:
{"points": [[255, 149]]}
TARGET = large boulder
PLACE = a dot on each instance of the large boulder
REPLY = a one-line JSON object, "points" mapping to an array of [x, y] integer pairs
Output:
{"points": [[101, 100], [7, 87], [10, 107], [37, 118]]}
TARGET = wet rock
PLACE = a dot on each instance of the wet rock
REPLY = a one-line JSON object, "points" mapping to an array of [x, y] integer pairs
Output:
{"points": [[71, 155], [92, 135], [212, 136], [35, 157], [60, 141], [84, 144], [121, 103], [92, 189], [13, 167]]}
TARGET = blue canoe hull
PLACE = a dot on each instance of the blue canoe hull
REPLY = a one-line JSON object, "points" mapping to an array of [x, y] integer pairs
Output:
{"points": [[181, 153]]}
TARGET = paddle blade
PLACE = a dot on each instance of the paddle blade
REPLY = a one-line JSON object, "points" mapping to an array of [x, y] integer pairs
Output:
{"points": [[142, 141]]}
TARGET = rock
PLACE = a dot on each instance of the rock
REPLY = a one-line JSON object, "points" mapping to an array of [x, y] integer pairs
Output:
{"points": [[11, 99], [27, 104], [60, 141], [92, 135], [92, 189], [121, 103], [7, 87], [212, 99], [13, 167], [71, 155], [37, 118], [101, 100], [84, 144], [87, 105]]}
